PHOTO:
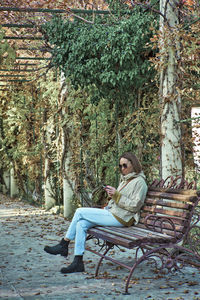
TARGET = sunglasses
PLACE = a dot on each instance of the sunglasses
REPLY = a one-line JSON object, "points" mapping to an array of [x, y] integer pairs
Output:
{"points": [[123, 166]]}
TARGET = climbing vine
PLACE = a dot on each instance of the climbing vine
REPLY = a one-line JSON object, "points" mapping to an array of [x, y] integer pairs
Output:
{"points": [[108, 58], [97, 138], [7, 52], [111, 104], [188, 74]]}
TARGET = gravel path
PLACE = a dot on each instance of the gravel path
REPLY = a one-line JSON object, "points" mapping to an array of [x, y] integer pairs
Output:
{"points": [[27, 272]]}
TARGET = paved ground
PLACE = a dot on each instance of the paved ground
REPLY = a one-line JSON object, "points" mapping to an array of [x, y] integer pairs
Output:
{"points": [[27, 272]]}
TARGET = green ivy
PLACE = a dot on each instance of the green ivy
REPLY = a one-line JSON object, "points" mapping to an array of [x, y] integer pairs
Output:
{"points": [[113, 58], [7, 53]]}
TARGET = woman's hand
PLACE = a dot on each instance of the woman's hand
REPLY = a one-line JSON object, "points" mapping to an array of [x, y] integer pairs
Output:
{"points": [[110, 190]]}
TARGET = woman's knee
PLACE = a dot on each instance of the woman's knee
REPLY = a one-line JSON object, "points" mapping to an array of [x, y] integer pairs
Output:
{"points": [[79, 210], [82, 211], [84, 225]]}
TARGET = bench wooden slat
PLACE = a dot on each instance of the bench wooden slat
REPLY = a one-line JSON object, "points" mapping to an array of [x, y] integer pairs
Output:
{"points": [[189, 192], [111, 238], [129, 240], [171, 196], [139, 232], [131, 231], [154, 209], [136, 234], [166, 230], [176, 220], [179, 228], [162, 202]]}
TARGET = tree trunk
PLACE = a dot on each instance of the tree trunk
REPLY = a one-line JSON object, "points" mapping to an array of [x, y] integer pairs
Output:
{"points": [[195, 114], [13, 184], [171, 146], [6, 180], [48, 193], [67, 183], [67, 192]]}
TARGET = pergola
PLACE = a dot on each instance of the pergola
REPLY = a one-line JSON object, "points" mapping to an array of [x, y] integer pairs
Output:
{"points": [[29, 41]]}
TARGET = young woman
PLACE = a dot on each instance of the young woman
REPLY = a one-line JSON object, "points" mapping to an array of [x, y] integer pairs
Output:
{"points": [[122, 210]]}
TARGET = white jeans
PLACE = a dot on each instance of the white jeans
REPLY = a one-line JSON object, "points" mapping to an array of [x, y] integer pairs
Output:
{"points": [[85, 218]]}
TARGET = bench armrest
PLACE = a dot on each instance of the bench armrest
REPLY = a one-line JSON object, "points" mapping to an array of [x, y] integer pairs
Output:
{"points": [[159, 224]]}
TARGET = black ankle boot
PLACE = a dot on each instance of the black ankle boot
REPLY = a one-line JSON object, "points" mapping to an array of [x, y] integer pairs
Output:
{"points": [[61, 248], [76, 266]]}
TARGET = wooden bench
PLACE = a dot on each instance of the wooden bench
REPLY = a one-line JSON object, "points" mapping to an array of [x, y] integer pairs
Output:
{"points": [[167, 218]]}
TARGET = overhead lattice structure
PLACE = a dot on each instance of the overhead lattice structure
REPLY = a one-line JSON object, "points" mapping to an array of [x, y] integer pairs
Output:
{"points": [[21, 26]]}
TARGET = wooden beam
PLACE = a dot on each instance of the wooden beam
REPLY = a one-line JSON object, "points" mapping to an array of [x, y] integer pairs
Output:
{"points": [[12, 75], [15, 70], [33, 58], [11, 25], [32, 38], [56, 11]]}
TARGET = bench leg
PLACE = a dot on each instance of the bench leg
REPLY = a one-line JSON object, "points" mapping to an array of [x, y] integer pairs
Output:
{"points": [[110, 246], [145, 256], [131, 273], [169, 263]]}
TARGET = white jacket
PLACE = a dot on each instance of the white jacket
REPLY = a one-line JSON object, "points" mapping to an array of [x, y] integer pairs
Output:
{"points": [[129, 198]]}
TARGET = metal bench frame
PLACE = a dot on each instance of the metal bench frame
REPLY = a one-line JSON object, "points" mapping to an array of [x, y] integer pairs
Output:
{"points": [[161, 234]]}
